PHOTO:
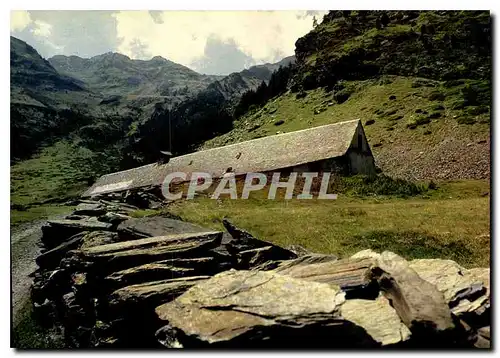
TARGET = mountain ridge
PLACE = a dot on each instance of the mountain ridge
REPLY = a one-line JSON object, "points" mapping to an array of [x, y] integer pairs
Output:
{"points": [[100, 126]]}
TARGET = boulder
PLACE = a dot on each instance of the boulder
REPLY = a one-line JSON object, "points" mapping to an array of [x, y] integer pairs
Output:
{"points": [[259, 309]]}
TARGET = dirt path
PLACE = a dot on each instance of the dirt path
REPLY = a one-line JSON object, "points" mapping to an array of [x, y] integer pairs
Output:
{"points": [[24, 241]]}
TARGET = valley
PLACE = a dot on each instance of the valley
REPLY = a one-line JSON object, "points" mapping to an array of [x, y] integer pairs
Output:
{"points": [[419, 81]]}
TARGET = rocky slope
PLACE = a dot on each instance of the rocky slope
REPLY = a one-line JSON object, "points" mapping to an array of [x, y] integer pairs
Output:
{"points": [[44, 103], [441, 45]]}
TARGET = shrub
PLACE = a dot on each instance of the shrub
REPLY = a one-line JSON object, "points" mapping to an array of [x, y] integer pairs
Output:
{"points": [[477, 110], [301, 94], [466, 120], [470, 95], [381, 184], [342, 96], [422, 83], [415, 122], [437, 96]]}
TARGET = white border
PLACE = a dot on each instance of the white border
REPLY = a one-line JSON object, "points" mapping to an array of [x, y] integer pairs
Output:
{"points": [[212, 5]]}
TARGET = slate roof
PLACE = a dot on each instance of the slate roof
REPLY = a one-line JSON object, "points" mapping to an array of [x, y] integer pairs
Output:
{"points": [[258, 155]]}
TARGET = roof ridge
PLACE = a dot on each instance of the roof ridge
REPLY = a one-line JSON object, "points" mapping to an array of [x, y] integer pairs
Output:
{"points": [[267, 137], [257, 155]]}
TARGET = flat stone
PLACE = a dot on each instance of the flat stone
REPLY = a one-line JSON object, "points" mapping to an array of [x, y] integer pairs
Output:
{"points": [[464, 290], [352, 275], [241, 240], [51, 259], [137, 228], [298, 250], [161, 270], [113, 218], [378, 318], [56, 232], [122, 255], [89, 209], [98, 238], [419, 304], [151, 294], [259, 309], [365, 254], [251, 258]]}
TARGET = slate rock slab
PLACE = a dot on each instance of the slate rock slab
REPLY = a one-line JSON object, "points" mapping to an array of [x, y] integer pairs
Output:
{"points": [[419, 304], [259, 309], [161, 270], [90, 209], [56, 232], [352, 275], [150, 294], [122, 255], [52, 258], [249, 259], [244, 241], [137, 228], [378, 318], [467, 292]]}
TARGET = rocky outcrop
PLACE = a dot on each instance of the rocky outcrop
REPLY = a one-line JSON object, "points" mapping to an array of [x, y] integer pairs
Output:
{"points": [[102, 273], [374, 300], [161, 282], [253, 308]]}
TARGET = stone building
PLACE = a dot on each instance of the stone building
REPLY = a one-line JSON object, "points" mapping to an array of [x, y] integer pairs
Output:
{"points": [[339, 147]]}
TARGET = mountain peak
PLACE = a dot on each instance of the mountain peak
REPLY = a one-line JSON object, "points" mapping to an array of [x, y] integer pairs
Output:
{"points": [[112, 56], [159, 58]]}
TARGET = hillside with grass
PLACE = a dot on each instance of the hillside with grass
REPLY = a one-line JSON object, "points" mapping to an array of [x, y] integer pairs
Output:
{"points": [[419, 81]]}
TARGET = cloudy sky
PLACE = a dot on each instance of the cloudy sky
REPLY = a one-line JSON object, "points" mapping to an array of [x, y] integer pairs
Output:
{"points": [[212, 42]]}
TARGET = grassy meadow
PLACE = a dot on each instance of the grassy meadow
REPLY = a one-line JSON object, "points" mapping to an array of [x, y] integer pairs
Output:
{"points": [[451, 221]]}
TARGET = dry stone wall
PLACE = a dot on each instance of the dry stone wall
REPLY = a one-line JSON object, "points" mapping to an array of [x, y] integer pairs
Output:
{"points": [[105, 279]]}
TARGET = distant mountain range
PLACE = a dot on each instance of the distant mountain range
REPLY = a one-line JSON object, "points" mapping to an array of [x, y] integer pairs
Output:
{"points": [[51, 99]]}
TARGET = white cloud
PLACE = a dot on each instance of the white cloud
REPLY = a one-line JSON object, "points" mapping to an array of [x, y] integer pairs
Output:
{"points": [[19, 20], [41, 28], [216, 42], [181, 36]]}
